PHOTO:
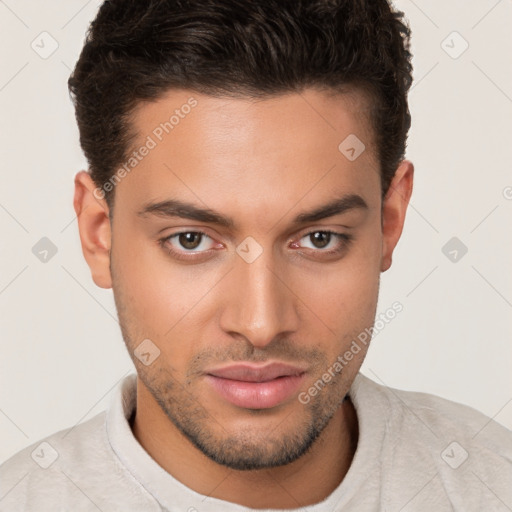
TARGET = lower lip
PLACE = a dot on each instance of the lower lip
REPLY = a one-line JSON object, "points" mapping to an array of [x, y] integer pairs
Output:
{"points": [[256, 395]]}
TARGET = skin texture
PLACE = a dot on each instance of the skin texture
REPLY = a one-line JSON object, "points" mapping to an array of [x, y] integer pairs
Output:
{"points": [[261, 163]]}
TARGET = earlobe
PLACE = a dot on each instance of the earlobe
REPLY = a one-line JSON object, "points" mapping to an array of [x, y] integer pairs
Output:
{"points": [[394, 209], [94, 227]]}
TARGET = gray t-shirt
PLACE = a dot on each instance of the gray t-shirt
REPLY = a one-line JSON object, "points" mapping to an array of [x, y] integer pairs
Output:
{"points": [[416, 452]]}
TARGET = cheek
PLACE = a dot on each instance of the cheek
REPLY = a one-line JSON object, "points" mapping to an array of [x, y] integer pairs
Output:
{"points": [[342, 307], [160, 298], [344, 294]]}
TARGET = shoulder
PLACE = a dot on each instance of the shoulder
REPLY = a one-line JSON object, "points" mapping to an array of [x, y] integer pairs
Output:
{"points": [[43, 468], [438, 415], [445, 417], [455, 450], [70, 469]]}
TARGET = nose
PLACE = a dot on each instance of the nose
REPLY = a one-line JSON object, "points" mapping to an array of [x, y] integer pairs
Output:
{"points": [[259, 304]]}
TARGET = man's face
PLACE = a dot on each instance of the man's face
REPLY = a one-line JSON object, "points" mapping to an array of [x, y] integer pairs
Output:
{"points": [[263, 290]]}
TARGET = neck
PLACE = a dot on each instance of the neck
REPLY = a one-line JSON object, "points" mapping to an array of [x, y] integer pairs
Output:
{"points": [[308, 480]]}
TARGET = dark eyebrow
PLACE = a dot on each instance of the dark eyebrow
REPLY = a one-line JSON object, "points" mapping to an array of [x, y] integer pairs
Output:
{"points": [[177, 208], [335, 207]]}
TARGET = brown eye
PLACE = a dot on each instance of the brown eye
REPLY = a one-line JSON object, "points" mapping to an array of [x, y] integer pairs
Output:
{"points": [[188, 246], [325, 242], [320, 239], [185, 242], [190, 240]]}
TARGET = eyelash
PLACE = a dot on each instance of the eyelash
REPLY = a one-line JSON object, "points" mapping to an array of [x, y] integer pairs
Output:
{"points": [[345, 239]]}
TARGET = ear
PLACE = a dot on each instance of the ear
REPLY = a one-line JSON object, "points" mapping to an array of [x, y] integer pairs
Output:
{"points": [[394, 208], [94, 226]]}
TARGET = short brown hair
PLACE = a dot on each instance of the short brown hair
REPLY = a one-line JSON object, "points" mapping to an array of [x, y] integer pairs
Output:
{"points": [[137, 50]]}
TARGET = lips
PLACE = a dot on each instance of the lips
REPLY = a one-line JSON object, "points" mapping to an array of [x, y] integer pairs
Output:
{"points": [[256, 387], [256, 374]]}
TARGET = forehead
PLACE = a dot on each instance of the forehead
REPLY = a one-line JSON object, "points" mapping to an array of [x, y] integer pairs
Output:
{"points": [[232, 153], [268, 120]]}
